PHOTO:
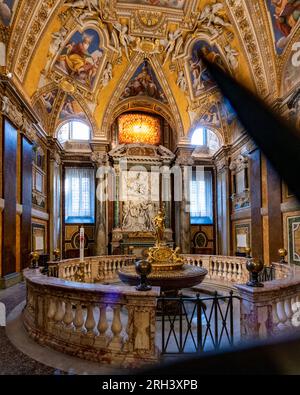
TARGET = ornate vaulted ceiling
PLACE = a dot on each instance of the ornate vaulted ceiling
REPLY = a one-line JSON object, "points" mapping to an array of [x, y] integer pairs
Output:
{"points": [[94, 59]]}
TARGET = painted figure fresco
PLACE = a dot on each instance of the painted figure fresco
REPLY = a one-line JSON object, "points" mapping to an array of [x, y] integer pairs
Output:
{"points": [[211, 117], [200, 77], [291, 76], [6, 11], [285, 16], [176, 4], [144, 83], [228, 111], [81, 57], [48, 100], [71, 110]]}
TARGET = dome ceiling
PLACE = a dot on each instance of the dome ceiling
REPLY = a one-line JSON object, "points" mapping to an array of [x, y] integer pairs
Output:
{"points": [[93, 59]]}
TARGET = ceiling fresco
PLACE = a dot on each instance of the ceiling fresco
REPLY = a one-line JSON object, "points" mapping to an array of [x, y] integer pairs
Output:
{"points": [[6, 11], [81, 56], [144, 83], [84, 58], [285, 15]]}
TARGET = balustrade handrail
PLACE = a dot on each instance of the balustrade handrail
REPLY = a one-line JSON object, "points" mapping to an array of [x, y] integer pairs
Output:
{"points": [[97, 268], [270, 310]]}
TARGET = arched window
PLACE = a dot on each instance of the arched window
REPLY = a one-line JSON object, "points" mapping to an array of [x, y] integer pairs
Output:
{"points": [[74, 130], [207, 138]]}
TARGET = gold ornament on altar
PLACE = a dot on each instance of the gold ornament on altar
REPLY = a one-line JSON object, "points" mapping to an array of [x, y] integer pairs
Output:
{"points": [[161, 256]]}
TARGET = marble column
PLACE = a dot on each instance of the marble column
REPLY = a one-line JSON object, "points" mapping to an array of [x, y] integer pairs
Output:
{"points": [[102, 162], [275, 221], [55, 202], [166, 194], [257, 235], [223, 209], [182, 209]]}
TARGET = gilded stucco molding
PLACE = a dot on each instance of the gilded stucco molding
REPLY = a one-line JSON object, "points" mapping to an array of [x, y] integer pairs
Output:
{"points": [[5, 32], [30, 28], [249, 43], [18, 118], [262, 25]]}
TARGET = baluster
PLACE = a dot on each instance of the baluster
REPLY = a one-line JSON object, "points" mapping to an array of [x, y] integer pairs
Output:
{"points": [[276, 320], [218, 268], [294, 305], [281, 315], [79, 319], [68, 317], [227, 268], [212, 269], [60, 313], [102, 338], [90, 322], [232, 273], [116, 328], [51, 310], [288, 311]]}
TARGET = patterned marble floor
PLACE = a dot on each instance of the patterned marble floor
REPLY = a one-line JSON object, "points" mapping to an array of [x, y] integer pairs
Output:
{"points": [[12, 361]]}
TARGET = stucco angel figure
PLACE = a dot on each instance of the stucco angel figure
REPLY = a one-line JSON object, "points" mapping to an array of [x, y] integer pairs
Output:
{"points": [[57, 42], [125, 39], [172, 45], [107, 74], [181, 81], [88, 8], [231, 56], [91, 5], [210, 17]]}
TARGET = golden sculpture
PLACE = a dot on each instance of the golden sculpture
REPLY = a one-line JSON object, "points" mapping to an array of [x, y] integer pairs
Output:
{"points": [[159, 226], [161, 256]]}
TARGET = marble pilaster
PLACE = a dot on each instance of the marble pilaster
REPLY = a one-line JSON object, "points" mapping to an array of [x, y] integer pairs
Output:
{"points": [[182, 218], [223, 211], [55, 202], [101, 161]]}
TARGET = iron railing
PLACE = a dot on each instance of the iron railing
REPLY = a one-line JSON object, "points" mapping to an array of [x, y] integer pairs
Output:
{"points": [[194, 325]]}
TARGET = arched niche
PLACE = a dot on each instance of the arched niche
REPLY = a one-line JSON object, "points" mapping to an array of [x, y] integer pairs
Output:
{"points": [[151, 107]]}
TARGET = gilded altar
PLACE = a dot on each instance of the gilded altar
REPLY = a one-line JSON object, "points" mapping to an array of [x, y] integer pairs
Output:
{"points": [[161, 256], [139, 197]]}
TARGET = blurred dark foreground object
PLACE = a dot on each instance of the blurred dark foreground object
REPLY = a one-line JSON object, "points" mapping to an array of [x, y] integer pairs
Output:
{"points": [[278, 357], [278, 140]]}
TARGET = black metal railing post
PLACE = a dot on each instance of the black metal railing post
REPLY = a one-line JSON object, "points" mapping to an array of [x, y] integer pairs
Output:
{"points": [[199, 325]]}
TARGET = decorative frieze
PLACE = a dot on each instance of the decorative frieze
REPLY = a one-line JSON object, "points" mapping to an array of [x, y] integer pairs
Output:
{"points": [[18, 118]]}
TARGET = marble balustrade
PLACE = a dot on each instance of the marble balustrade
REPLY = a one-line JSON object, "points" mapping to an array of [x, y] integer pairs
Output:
{"points": [[114, 325], [231, 269], [271, 310], [96, 269]]}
